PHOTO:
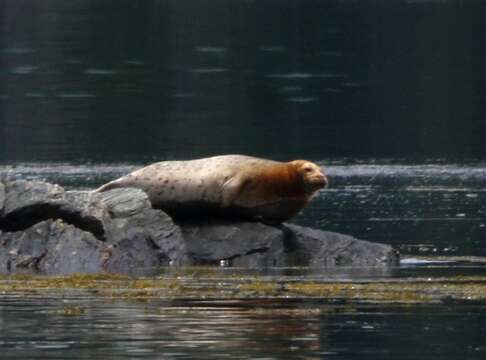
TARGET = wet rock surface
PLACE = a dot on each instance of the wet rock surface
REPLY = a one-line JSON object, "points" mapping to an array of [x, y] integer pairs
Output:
{"points": [[2, 196], [45, 229], [51, 247]]}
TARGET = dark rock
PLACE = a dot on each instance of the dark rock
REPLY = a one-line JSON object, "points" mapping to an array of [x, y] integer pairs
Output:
{"points": [[2, 196], [27, 203], [64, 243], [23, 194], [251, 244], [133, 256], [116, 231], [85, 210], [319, 248], [55, 248], [221, 242], [48, 230], [51, 247], [132, 217], [30, 202], [123, 203]]}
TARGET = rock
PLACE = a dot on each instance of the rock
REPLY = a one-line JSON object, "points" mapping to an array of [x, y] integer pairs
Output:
{"points": [[221, 242], [64, 243], [30, 202], [86, 211], [319, 249], [134, 256], [130, 236], [132, 217], [124, 202], [51, 247], [2, 196], [24, 194], [27, 203], [250, 244], [48, 230]]}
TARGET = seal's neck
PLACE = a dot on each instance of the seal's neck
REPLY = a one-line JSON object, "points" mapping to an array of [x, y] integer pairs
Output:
{"points": [[284, 180]]}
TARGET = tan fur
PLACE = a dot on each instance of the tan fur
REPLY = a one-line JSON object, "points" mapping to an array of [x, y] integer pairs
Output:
{"points": [[233, 185]]}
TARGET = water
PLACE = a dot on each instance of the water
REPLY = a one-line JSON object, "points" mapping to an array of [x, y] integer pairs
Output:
{"points": [[94, 329], [428, 209], [85, 324], [118, 80], [389, 96]]}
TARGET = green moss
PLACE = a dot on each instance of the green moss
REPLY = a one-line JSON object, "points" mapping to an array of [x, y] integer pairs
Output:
{"points": [[261, 287], [202, 283]]}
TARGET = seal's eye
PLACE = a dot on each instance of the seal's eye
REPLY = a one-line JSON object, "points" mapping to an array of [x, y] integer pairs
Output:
{"points": [[308, 170]]}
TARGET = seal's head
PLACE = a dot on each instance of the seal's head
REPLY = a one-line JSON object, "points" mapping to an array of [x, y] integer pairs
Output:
{"points": [[311, 175]]}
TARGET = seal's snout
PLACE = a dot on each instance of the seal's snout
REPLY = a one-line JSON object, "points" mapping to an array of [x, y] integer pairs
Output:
{"points": [[312, 174], [322, 181]]}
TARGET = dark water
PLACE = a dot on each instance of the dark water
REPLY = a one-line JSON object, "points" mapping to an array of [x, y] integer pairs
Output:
{"points": [[81, 324], [71, 328], [389, 96], [120, 80]]}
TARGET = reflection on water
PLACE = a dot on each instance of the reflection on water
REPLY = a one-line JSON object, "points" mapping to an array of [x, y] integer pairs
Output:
{"points": [[60, 328], [85, 323], [428, 209]]}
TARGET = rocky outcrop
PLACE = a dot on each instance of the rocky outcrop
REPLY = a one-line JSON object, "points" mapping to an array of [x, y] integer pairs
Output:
{"points": [[256, 245], [28, 203], [45, 229], [51, 247]]}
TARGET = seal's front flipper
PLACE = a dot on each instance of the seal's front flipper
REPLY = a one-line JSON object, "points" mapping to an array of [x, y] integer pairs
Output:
{"points": [[230, 190]]}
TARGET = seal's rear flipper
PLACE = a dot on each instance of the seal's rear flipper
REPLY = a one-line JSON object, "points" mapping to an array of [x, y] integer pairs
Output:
{"points": [[108, 186]]}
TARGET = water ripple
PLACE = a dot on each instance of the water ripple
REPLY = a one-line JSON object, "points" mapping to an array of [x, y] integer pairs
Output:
{"points": [[304, 76], [209, 70], [211, 49], [93, 71]]}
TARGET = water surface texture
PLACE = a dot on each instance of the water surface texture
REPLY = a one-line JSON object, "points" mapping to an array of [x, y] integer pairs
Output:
{"points": [[93, 329], [95, 322], [135, 80]]}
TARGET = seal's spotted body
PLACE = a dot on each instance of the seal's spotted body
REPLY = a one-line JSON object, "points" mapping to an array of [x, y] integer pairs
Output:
{"points": [[230, 184]]}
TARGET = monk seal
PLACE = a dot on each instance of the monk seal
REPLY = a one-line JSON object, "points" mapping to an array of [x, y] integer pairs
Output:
{"points": [[232, 185]]}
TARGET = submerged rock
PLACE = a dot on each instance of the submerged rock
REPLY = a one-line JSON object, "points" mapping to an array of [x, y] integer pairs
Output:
{"points": [[45, 229]]}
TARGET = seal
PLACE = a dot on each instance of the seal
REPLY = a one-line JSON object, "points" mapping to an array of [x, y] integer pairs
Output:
{"points": [[231, 185]]}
